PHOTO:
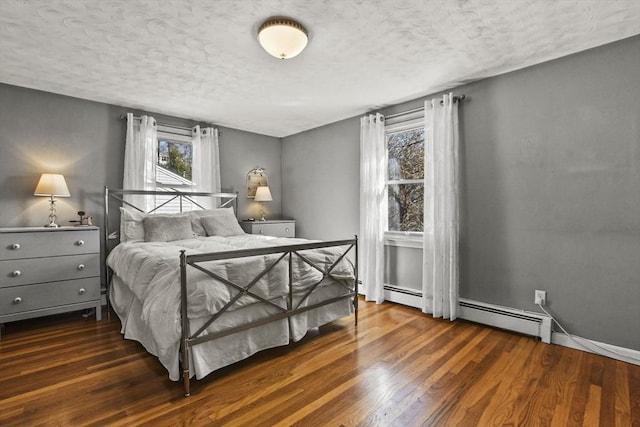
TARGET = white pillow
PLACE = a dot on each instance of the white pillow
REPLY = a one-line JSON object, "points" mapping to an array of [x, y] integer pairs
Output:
{"points": [[196, 218], [131, 227]]}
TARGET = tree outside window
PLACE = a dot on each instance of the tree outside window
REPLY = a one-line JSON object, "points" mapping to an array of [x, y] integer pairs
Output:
{"points": [[405, 180], [176, 157]]}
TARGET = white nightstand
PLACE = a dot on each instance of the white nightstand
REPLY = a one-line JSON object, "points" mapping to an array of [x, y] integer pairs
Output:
{"points": [[47, 271], [271, 227]]}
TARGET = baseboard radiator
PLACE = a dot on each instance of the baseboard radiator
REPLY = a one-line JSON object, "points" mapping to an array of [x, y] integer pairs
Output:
{"points": [[524, 322], [402, 295]]}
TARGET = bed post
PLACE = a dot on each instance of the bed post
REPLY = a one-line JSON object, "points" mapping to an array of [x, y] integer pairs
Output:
{"points": [[355, 297], [235, 205], [184, 342]]}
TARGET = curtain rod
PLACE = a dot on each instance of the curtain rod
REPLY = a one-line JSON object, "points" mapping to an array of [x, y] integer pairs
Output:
{"points": [[124, 116], [456, 98]]}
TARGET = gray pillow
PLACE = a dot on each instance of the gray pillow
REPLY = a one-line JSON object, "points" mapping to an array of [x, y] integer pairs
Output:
{"points": [[196, 216], [167, 228], [221, 225]]}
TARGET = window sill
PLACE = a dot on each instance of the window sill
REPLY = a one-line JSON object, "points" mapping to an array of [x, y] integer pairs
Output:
{"points": [[404, 239]]}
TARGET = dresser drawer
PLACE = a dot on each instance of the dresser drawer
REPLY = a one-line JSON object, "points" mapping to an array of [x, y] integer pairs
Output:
{"points": [[30, 270], [48, 295], [283, 229], [47, 243]]}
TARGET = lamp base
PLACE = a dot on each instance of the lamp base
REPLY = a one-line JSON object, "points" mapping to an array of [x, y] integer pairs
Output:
{"points": [[262, 217], [52, 213]]}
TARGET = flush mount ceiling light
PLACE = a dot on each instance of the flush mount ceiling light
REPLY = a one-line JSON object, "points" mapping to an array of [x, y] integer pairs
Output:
{"points": [[283, 38]]}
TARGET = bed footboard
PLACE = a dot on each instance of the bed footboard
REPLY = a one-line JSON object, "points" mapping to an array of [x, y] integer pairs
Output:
{"points": [[284, 254]]}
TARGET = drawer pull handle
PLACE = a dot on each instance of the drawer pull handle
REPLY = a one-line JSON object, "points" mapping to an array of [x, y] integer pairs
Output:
{"points": [[81, 267], [80, 243], [261, 232], [82, 291], [15, 246], [286, 229], [16, 273], [17, 300]]}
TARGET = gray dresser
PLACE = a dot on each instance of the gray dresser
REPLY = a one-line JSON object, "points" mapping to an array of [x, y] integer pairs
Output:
{"points": [[271, 227], [47, 271]]}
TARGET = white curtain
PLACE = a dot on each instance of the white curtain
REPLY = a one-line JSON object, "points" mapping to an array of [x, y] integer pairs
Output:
{"points": [[140, 160], [206, 163], [373, 206], [441, 194]]}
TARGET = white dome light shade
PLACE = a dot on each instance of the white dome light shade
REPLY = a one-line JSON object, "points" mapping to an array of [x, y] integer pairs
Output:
{"points": [[282, 37]]}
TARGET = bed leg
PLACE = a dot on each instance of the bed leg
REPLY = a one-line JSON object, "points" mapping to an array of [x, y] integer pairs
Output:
{"points": [[184, 340], [187, 385], [357, 281], [355, 309]]}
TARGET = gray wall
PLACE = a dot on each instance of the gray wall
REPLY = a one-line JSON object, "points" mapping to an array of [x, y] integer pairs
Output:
{"points": [[239, 153], [44, 132], [550, 188], [84, 140], [321, 180], [552, 177]]}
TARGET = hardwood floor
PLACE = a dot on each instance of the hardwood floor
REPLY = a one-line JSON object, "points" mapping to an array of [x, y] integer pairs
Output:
{"points": [[397, 368]]}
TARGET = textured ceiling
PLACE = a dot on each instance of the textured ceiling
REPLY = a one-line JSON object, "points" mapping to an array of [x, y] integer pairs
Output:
{"points": [[201, 60]]}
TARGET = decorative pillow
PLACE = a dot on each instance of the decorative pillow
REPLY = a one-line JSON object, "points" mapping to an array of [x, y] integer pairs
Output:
{"points": [[196, 217], [222, 225], [131, 228], [167, 228]]}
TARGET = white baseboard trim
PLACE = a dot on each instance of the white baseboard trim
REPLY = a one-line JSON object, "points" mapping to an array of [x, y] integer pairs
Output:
{"points": [[619, 353]]}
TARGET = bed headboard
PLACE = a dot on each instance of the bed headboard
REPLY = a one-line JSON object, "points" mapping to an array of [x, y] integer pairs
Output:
{"points": [[181, 201]]}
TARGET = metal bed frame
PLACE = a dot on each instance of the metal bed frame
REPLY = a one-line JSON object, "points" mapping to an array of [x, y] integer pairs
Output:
{"points": [[286, 254]]}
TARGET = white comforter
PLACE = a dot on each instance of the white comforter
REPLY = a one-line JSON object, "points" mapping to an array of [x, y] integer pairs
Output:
{"points": [[151, 271]]}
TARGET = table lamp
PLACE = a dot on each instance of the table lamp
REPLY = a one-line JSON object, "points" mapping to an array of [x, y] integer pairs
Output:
{"points": [[262, 195], [52, 185]]}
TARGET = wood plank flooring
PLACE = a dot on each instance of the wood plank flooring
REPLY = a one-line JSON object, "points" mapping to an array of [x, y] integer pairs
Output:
{"points": [[397, 368]]}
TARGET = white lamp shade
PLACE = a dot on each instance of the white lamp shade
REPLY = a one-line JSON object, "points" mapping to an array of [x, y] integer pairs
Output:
{"points": [[282, 38], [263, 194], [52, 184]]}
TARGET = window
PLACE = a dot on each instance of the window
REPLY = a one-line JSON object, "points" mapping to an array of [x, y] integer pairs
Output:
{"points": [[405, 176], [175, 160], [174, 168]]}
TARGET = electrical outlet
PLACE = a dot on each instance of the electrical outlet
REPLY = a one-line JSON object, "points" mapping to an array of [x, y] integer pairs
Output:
{"points": [[540, 297]]}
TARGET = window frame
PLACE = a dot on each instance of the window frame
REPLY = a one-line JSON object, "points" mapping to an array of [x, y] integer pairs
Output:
{"points": [[398, 124]]}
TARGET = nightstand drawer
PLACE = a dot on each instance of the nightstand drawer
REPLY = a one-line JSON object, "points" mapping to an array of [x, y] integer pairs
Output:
{"points": [[48, 295], [46, 243], [275, 228], [25, 271]]}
